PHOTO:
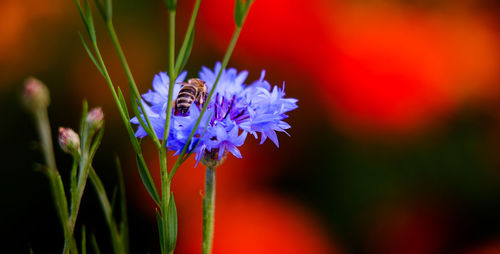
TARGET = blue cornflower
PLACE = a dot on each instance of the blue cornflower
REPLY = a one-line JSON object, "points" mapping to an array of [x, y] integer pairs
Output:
{"points": [[235, 110]]}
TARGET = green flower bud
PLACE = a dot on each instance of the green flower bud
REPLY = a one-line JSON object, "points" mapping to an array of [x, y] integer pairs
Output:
{"points": [[35, 95], [69, 141], [95, 118]]}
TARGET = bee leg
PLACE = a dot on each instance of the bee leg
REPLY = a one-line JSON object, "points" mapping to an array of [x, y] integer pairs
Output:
{"points": [[203, 98]]}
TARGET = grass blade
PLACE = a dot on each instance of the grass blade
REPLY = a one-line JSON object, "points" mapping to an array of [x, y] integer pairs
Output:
{"points": [[159, 221], [181, 60], [147, 180], [84, 244], [123, 206], [95, 246], [172, 224], [90, 54]]}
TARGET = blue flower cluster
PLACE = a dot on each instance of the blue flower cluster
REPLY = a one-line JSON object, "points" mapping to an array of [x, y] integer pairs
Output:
{"points": [[234, 111]]}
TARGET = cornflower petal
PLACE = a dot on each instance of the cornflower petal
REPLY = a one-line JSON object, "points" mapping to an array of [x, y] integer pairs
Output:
{"points": [[235, 111]]}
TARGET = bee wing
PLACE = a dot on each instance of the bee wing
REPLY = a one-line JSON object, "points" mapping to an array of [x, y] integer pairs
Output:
{"points": [[182, 83]]}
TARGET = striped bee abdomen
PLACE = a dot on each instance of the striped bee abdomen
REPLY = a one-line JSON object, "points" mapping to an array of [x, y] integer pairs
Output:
{"points": [[185, 98], [192, 91]]}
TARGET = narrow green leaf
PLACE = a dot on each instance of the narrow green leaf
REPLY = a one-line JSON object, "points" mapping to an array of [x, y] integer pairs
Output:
{"points": [[101, 193], [133, 139], [182, 59], [84, 244], [91, 55], [60, 189], [121, 98], [74, 170], [113, 197], [82, 14], [172, 224], [95, 246], [240, 11], [90, 21], [85, 111], [146, 178], [135, 109], [123, 205], [159, 221], [96, 143], [101, 9], [31, 250], [109, 9]]}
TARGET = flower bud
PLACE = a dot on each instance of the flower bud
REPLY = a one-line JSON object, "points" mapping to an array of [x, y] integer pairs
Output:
{"points": [[69, 140], [95, 118], [211, 158], [35, 94]]}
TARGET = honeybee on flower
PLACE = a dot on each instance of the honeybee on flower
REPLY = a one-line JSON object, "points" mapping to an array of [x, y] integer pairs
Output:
{"points": [[235, 110]]}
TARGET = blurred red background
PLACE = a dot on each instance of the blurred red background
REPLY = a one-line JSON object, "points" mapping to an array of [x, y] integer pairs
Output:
{"points": [[388, 145]]}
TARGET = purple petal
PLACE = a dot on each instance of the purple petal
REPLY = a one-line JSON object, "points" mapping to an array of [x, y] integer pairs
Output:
{"points": [[232, 149]]}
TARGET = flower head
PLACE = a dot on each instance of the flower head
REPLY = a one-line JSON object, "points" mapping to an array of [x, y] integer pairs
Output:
{"points": [[95, 118], [235, 110], [69, 141], [35, 94]]}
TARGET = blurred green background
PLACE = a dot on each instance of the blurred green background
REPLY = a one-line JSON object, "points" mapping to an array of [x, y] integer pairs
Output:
{"points": [[394, 148]]}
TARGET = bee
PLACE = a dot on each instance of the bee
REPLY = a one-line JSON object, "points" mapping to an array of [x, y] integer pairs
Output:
{"points": [[191, 91]]}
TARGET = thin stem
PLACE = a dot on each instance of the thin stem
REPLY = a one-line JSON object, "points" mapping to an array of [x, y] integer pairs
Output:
{"points": [[118, 245], [121, 107], [46, 138], [225, 61], [208, 211], [165, 180], [82, 180], [57, 188], [84, 168], [189, 30], [130, 77], [172, 75], [165, 195], [123, 113]]}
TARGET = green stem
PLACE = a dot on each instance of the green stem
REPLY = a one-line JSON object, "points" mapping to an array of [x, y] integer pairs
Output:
{"points": [[208, 211], [82, 180], [118, 245], [121, 108], [46, 138], [84, 168], [165, 195], [172, 75], [189, 30], [130, 77], [225, 61], [165, 180], [56, 185], [123, 111]]}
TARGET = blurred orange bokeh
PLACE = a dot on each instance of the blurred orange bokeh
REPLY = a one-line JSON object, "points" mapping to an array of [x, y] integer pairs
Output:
{"points": [[26, 29], [383, 67], [257, 223], [247, 220], [367, 67]]}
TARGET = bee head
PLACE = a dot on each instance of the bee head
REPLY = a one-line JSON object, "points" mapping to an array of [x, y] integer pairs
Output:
{"points": [[197, 82]]}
